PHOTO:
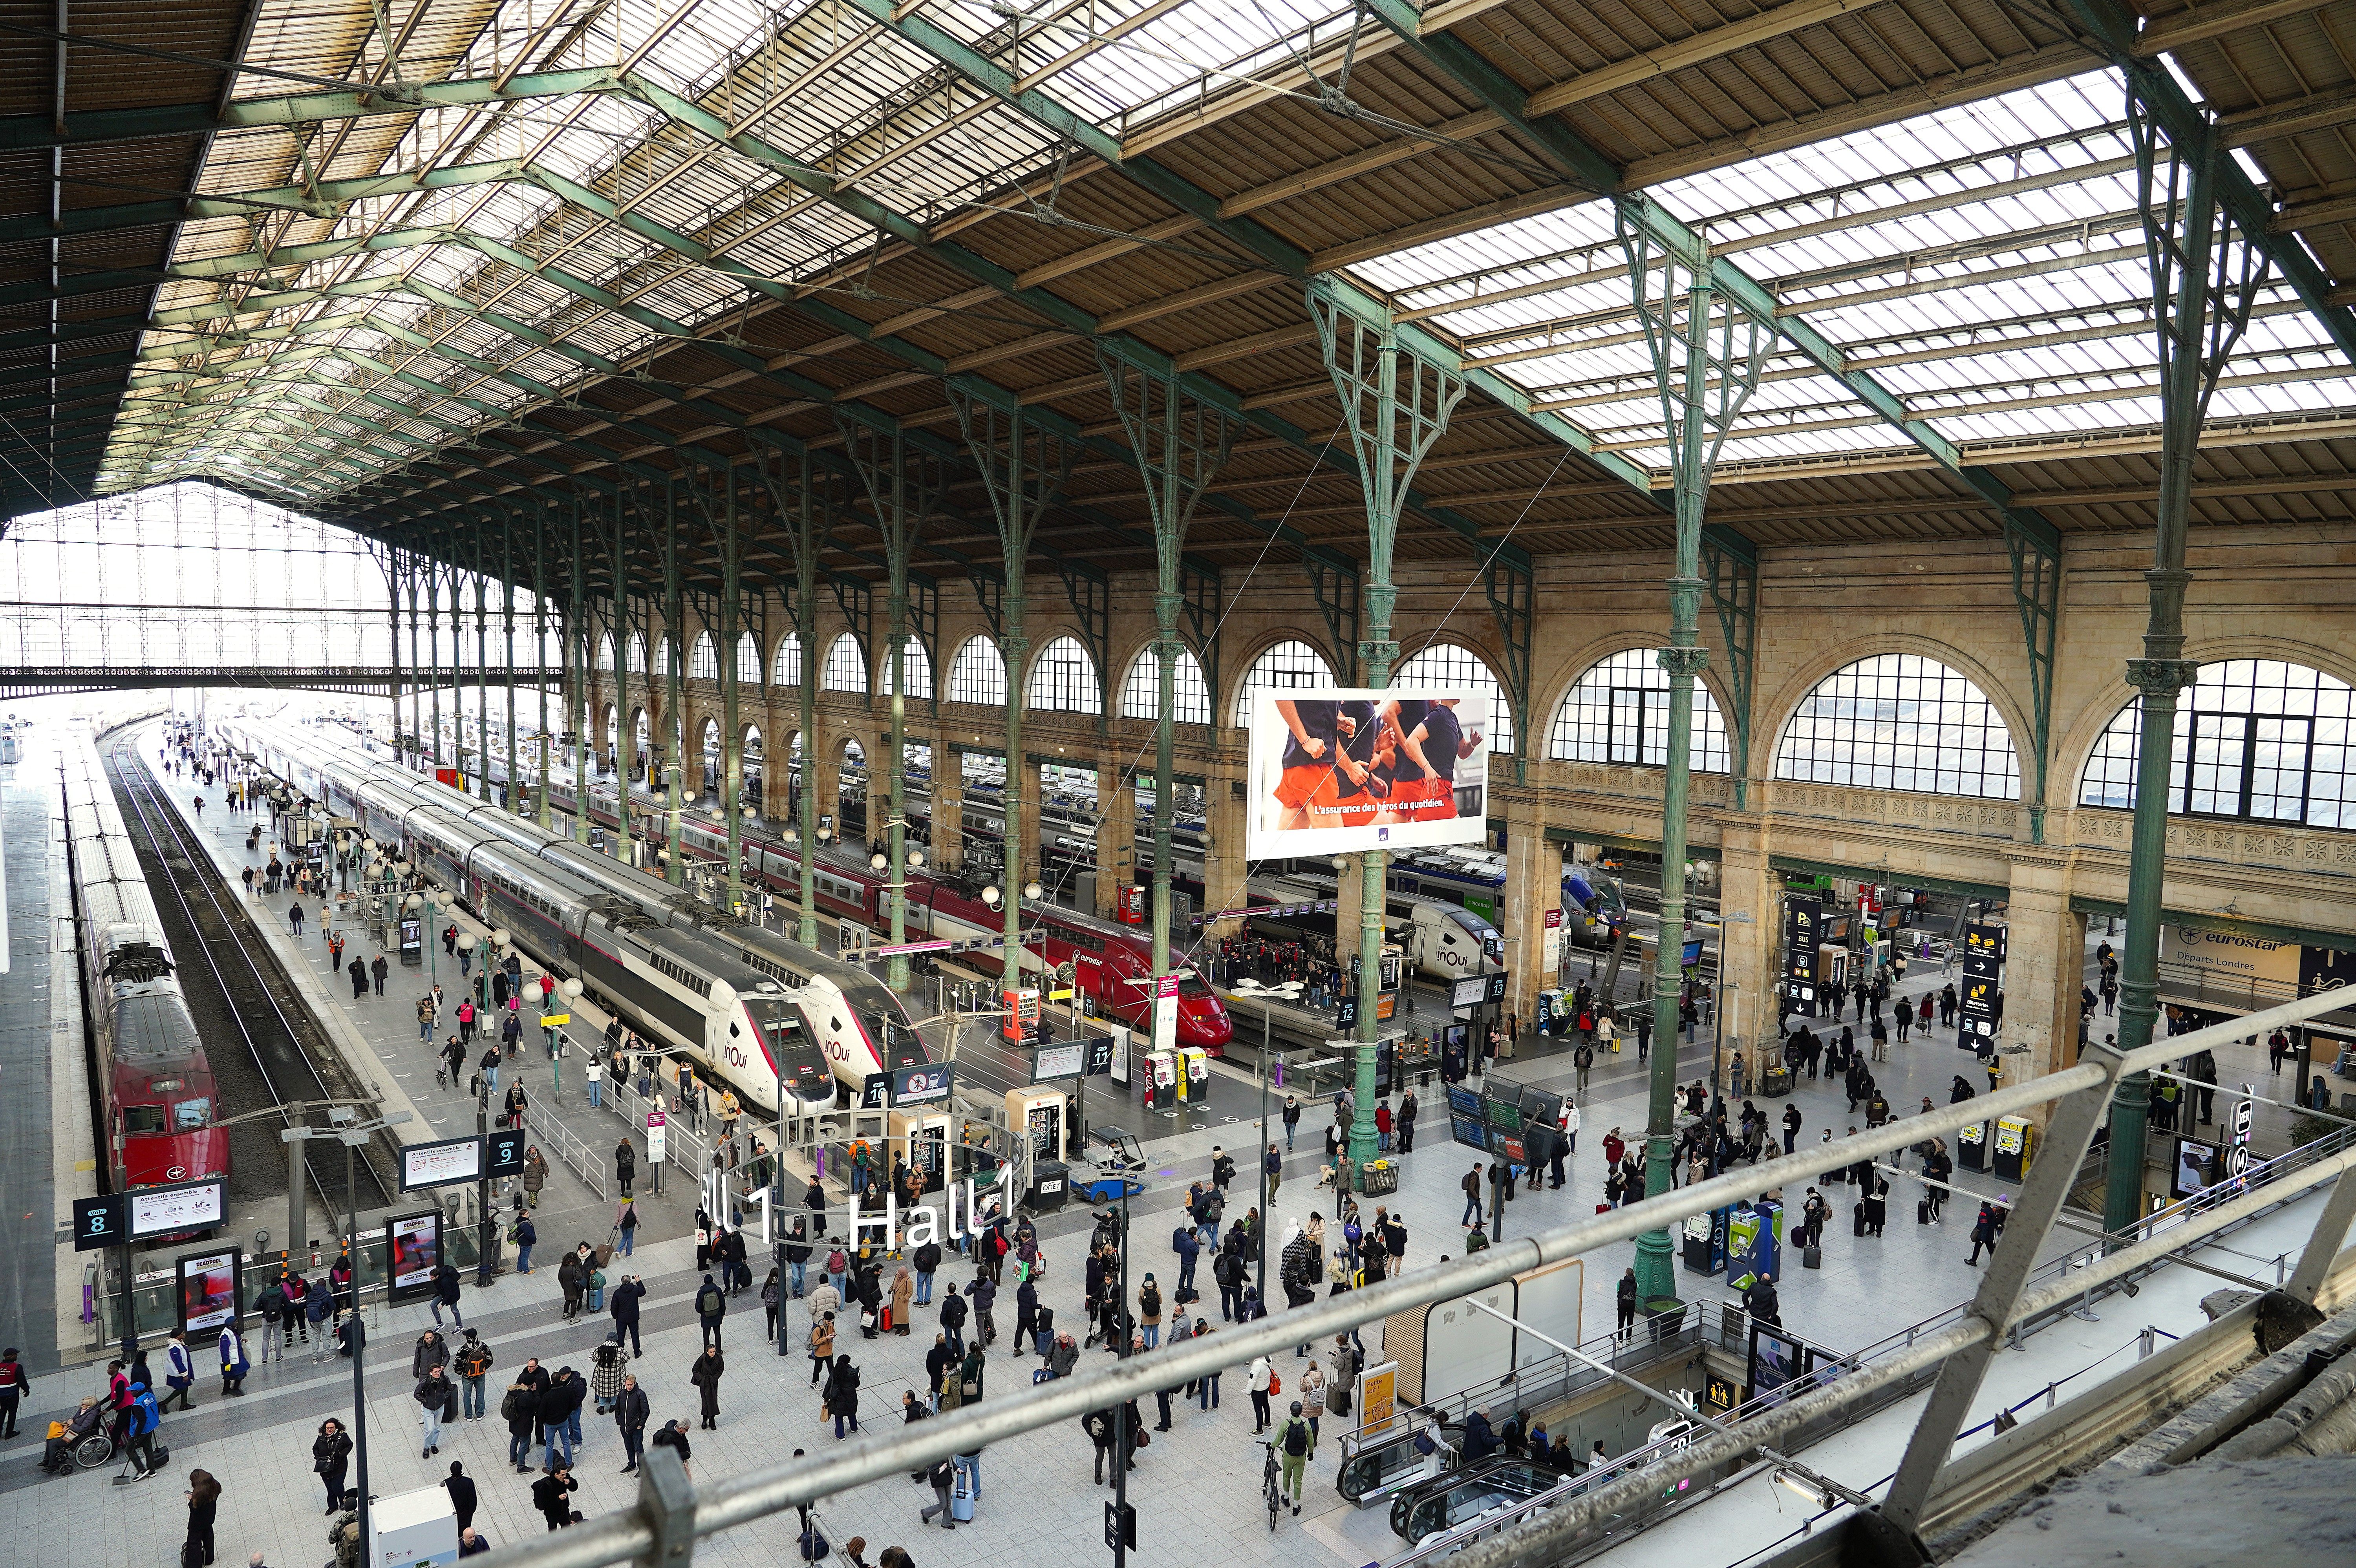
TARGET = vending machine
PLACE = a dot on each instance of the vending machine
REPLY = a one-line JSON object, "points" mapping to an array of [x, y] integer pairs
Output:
{"points": [[2014, 1136], [1162, 1072], [1971, 1146], [922, 1137], [1042, 1113], [1754, 1239], [1194, 1083], [1130, 905]]}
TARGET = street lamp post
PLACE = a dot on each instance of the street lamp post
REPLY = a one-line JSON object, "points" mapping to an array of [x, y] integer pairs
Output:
{"points": [[345, 1127]]}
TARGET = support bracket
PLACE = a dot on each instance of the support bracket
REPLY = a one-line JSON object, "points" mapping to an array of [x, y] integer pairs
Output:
{"points": [[1336, 588], [1730, 567], [2035, 548], [1512, 588]]}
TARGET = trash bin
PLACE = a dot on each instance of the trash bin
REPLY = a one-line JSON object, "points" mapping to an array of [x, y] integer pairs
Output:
{"points": [[1665, 1316], [1051, 1186]]}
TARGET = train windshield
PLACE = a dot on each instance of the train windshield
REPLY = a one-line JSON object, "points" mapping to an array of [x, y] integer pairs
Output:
{"points": [[797, 1055], [1492, 941], [140, 1119], [189, 1115], [886, 1017]]}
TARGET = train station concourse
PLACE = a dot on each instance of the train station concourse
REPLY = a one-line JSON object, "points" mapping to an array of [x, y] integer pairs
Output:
{"points": [[1513, 781]]}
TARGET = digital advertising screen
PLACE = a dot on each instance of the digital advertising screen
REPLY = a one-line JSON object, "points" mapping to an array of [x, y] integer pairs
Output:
{"points": [[1777, 1361], [163, 1210], [440, 1164], [2194, 1166], [416, 1252], [207, 1289], [1338, 770]]}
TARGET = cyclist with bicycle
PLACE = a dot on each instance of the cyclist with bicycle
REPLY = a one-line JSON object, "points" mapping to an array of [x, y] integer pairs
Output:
{"points": [[1293, 1444]]}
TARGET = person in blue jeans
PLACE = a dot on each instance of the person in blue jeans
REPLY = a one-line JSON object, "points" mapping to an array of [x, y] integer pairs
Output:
{"points": [[1472, 1185], [1207, 1389], [525, 1235]]}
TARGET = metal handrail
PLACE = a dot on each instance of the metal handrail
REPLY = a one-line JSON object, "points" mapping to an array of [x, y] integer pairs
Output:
{"points": [[671, 1513], [568, 1149]]}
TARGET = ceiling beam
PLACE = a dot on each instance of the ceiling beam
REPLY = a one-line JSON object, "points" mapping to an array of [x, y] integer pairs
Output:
{"points": [[2214, 20], [1649, 65], [22, 132]]}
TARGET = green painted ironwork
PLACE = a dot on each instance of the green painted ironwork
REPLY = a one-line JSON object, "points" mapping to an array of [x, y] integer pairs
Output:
{"points": [[2207, 269], [1396, 404], [1178, 443], [1708, 351]]}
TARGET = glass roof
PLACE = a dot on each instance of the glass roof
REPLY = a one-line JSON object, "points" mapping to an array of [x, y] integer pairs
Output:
{"points": [[1985, 262]]}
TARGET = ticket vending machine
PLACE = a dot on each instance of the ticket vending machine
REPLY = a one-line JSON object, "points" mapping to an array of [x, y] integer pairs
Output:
{"points": [[2011, 1149], [1043, 1114], [1705, 1240], [1161, 1071], [922, 1137], [1194, 1083], [1832, 967], [1754, 1237], [1971, 1146]]}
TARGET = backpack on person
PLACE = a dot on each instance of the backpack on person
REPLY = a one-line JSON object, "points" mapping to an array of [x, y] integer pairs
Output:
{"points": [[709, 1303], [1149, 1301], [1296, 1439]]}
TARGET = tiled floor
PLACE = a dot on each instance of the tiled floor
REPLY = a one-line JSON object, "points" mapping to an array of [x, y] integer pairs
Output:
{"points": [[1196, 1487]]}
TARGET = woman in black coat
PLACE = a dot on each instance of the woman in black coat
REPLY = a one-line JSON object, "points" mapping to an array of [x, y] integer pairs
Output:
{"points": [[331, 1457], [705, 1375], [203, 1503], [841, 1395]]}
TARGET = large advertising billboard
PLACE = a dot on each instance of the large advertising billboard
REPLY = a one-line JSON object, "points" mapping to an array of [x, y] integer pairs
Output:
{"points": [[1339, 770], [416, 1252]]}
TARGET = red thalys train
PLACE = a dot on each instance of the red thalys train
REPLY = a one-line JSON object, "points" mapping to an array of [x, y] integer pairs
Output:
{"points": [[161, 1112]]}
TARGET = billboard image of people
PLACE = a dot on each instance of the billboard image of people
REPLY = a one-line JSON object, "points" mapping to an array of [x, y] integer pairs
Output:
{"points": [[208, 1290], [416, 1250], [1338, 770]]}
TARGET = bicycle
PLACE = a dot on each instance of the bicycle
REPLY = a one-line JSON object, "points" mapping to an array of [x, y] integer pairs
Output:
{"points": [[1271, 1483]]}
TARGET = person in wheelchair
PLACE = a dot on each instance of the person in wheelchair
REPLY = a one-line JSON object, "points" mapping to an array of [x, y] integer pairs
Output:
{"points": [[69, 1435]]}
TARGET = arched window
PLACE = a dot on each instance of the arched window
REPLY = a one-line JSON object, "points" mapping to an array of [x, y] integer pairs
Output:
{"points": [[1618, 712], [2255, 738], [638, 654], [1283, 667], [605, 652], [919, 665], [788, 671], [1446, 663], [703, 659], [1064, 680], [1140, 694], [748, 661], [1900, 721], [665, 658], [978, 674], [846, 667]]}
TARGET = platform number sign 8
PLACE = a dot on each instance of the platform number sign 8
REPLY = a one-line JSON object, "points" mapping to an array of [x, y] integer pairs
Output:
{"points": [[102, 1222]]}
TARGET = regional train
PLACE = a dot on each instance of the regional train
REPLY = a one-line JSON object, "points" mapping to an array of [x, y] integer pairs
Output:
{"points": [[767, 1015], [162, 1114]]}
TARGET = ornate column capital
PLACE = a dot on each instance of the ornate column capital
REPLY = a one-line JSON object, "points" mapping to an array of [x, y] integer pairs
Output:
{"points": [[1682, 661], [1383, 653], [2162, 678]]}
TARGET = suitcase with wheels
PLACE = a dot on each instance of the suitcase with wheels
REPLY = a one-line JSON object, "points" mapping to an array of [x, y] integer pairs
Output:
{"points": [[1812, 1257], [1857, 1220], [1923, 1211], [961, 1497]]}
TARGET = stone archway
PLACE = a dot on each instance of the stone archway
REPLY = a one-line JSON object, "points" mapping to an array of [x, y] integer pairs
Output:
{"points": [[707, 760]]}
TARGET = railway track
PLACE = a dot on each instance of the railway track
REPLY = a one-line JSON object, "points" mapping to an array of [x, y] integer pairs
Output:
{"points": [[246, 987]]}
